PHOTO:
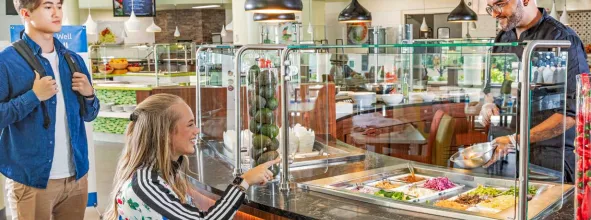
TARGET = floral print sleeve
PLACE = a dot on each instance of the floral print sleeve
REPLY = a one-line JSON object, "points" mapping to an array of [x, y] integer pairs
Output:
{"points": [[147, 196]]}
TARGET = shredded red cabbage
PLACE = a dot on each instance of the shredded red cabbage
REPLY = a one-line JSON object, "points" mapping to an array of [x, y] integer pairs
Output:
{"points": [[439, 184]]}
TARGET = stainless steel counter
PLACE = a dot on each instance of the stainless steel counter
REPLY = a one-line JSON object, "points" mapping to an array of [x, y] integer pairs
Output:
{"points": [[213, 173]]}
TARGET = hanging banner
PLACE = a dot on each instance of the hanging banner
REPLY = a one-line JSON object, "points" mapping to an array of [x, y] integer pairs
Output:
{"points": [[74, 38]]}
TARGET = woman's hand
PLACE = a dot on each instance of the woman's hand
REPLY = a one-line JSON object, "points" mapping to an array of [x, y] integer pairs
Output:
{"points": [[261, 173]]}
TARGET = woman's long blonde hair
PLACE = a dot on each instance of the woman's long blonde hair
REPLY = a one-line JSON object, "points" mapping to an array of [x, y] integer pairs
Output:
{"points": [[148, 141]]}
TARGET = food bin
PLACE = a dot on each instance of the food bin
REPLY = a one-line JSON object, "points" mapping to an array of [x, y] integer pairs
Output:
{"points": [[263, 103], [583, 149]]}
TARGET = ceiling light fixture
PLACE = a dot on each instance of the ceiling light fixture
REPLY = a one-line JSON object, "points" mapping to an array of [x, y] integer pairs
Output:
{"points": [[260, 17], [153, 28], [223, 33], [564, 18], [132, 24], [91, 25], [177, 33], [553, 12], [273, 6], [462, 13], [424, 26], [354, 13], [206, 6]]}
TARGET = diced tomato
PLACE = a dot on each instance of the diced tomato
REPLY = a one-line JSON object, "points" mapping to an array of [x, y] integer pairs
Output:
{"points": [[580, 128], [580, 197], [579, 214], [585, 155], [586, 206], [579, 141]]}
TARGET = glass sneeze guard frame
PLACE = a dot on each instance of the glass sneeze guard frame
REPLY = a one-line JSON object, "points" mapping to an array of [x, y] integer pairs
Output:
{"points": [[284, 185], [525, 98], [201, 48]]}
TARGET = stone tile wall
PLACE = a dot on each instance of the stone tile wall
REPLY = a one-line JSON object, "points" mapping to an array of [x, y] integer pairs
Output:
{"points": [[194, 24]]}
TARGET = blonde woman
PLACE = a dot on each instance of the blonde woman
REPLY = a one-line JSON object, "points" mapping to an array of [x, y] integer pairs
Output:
{"points": [[150, 178]]}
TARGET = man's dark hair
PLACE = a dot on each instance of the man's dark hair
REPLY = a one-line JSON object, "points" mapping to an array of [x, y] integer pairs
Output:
{"points": [[27, 4]]}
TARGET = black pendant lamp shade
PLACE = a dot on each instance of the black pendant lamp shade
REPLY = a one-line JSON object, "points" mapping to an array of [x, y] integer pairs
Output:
{"points": [[260, 17], [354, 13], [462, 13], [273, 6]]}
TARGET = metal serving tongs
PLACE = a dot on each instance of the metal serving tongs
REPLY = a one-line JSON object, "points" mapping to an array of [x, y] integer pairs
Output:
{"points": [[411, 169]]}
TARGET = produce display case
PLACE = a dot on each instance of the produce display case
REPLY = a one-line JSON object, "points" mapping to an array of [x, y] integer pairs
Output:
{"points": [[150, 65], [433, 129]]}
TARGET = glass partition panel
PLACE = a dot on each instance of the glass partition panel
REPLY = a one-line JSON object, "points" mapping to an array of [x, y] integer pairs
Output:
{"points": [[415, 124], [552, 111]]}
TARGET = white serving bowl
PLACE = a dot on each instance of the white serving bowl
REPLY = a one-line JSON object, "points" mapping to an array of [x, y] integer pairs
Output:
{"points": [[106, 106], [129, 108], [364, 99], [117, 108], [392, 99], [428, 97]]}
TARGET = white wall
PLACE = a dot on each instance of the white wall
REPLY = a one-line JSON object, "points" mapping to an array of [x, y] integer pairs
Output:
{"points": [[6, 21]]}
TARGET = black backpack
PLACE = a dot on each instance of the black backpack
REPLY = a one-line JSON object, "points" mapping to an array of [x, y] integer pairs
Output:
{"points": [[27, 53]]}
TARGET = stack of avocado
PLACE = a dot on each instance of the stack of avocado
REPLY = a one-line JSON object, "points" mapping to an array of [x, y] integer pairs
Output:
{"points": [[262, 107]]}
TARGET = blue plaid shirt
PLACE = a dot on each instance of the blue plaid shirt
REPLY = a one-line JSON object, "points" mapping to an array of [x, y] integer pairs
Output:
{"points": [[26, 147]]}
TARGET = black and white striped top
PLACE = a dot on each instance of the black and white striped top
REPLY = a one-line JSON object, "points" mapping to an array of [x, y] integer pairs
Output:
{"points": [[147, 196]]}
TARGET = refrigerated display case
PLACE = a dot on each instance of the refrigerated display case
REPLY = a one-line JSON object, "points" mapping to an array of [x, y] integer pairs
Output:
{"points": [[150, 65]]}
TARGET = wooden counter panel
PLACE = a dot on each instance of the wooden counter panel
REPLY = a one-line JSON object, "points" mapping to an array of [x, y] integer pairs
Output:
{"points": [[204, 200]]}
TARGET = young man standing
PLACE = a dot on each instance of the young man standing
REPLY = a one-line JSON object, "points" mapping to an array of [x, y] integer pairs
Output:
{"points": [[43, 147]]}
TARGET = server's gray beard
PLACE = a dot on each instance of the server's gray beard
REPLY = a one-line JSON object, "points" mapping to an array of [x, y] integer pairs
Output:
{"points": [[515, 18]]}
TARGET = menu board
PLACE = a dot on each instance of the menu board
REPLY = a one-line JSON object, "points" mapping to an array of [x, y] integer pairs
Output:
{"points": [[142, 8]]}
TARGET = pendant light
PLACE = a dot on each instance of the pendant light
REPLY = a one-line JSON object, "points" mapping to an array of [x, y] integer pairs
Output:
{"points": [[132, 24], [553, 12], [177, 33], [355, 13], [223, 32], [153, 28], [273, 6], [310, 28], [564, 17], [91, 26], [260, 17], [462, 13], [424, 26]]}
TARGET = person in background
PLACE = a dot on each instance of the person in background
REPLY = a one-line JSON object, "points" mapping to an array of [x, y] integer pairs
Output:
{"points": [[522, 20], [150, 179], [43, 150]]}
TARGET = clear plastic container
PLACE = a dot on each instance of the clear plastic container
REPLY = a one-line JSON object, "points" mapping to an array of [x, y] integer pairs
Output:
{"points": [[583, 148]]}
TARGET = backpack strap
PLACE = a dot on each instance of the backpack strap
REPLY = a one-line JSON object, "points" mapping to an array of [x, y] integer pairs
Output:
{"points": [[27, 53], [75, 68]]}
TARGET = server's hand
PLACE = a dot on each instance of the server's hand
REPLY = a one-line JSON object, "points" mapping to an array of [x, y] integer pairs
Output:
{"points": [[261, 173], [44, 88], [487, 111], [503, 146]]}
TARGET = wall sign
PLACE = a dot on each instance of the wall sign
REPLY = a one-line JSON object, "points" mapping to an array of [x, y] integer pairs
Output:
{"points": [[141, 8], [72, 37]]}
